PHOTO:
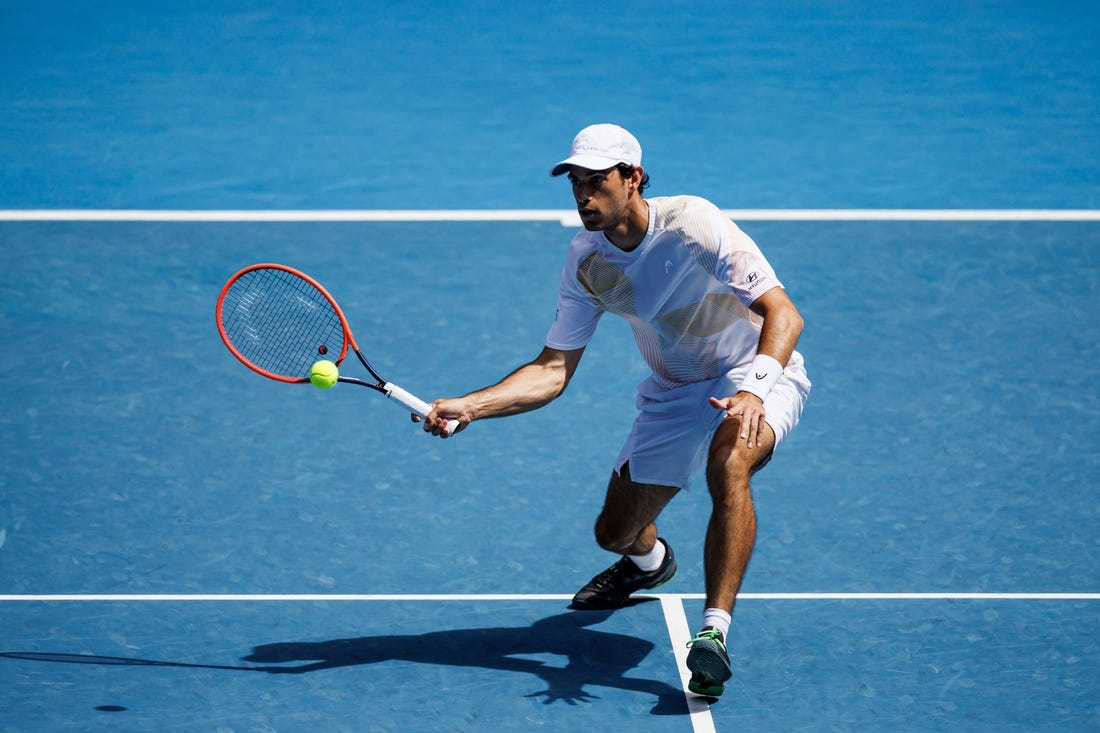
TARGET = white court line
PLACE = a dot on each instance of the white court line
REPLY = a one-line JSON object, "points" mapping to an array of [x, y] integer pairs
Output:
{"points": [[567, 217], [286, 597], [944, 596], [279, 215], [395, 597]]}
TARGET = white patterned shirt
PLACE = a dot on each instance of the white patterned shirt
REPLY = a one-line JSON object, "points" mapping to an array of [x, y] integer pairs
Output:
{"points": [[685, 290]]}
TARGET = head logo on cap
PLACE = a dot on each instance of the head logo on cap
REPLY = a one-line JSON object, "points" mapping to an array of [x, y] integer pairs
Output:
{"points": [[599, 147]]}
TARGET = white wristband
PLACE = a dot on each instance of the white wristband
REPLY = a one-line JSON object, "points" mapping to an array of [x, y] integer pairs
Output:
{"points": [[763, 374]]}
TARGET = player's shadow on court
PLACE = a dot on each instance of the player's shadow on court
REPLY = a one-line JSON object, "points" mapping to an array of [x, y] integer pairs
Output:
{"points": [[595, 658]]}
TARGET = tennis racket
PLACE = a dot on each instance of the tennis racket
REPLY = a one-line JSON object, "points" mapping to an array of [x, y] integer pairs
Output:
{"points": [[279, 322]]}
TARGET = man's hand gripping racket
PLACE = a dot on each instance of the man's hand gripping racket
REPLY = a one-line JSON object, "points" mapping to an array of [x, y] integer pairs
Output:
{"points": [[279, 321]]}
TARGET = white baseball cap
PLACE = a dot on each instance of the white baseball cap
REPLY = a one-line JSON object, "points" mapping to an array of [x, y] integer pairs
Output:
{"points": [[599, 147]]}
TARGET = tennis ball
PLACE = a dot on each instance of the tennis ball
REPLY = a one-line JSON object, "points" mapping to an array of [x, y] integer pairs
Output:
{"points": [[323, 374]]}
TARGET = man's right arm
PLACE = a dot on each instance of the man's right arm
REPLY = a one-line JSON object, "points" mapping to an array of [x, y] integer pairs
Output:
{"points": [[533, 385]]}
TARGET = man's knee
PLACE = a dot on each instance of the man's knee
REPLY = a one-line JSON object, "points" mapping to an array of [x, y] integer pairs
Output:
{"points": [[613, 536], [731, 462], [629, 511]]}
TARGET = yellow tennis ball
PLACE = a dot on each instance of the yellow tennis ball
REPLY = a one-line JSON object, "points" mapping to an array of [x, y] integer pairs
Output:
{"points": [[323, 374]]}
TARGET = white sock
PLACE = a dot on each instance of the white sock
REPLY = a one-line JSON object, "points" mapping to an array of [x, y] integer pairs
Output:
{"points": [[652, 559], [718, 619]]}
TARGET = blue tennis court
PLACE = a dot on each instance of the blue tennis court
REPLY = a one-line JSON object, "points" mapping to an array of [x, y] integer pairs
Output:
{"points": [[187, 546]]}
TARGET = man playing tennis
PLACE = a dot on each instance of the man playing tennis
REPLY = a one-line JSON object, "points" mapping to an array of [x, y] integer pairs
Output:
{"points": [[717, 329]]}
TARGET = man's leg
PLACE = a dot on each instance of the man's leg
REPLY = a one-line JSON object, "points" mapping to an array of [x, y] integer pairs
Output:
{"points": [[731, 536], [627, 526], [627, 523]]}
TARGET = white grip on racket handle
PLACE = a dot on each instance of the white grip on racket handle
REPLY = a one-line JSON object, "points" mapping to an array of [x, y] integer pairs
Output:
{"points": [[414, 403]]}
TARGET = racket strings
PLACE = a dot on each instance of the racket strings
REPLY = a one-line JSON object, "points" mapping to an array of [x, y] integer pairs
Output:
{"points": [[280, 322]]}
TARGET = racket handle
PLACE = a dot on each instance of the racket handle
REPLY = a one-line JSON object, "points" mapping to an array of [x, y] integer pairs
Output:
{"points": [[414, 403]]}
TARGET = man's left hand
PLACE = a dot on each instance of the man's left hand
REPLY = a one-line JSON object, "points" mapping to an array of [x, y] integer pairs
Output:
{"points": [[750, 409]]}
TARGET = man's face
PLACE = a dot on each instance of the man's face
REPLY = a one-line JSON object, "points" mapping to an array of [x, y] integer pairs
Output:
{"points": [[602, 197]]}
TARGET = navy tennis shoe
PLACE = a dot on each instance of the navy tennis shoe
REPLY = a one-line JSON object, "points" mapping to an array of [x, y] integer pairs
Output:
{"points": [[612, 587]]}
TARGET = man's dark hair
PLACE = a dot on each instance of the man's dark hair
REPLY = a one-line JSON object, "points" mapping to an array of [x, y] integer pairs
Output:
{"points": [[626, 170]]}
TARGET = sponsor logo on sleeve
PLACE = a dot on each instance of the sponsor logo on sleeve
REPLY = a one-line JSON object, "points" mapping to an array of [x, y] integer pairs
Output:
{"points": [[752, 280]]}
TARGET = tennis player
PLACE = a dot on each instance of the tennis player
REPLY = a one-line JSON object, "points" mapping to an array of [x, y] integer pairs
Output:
{"points": [[718, 330]]}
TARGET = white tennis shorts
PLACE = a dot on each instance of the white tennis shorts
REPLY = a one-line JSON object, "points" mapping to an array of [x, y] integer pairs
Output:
{"points": [[671, 436]]}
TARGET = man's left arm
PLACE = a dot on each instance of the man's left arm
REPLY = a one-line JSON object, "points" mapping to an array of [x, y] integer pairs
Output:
{"points": [[782, 325], [778, 337]]}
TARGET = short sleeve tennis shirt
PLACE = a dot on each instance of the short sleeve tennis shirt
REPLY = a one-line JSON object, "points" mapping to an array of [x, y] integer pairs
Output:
{"points": [[685, 290]]}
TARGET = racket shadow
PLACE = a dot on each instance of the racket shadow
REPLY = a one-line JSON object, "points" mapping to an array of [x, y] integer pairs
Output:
{"points": [[95, 659], [595, 658]]}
